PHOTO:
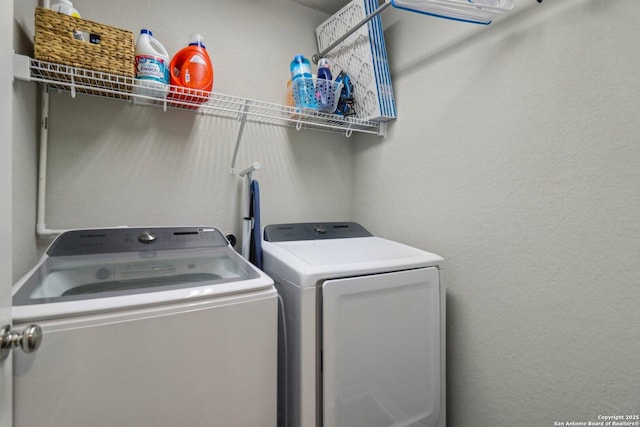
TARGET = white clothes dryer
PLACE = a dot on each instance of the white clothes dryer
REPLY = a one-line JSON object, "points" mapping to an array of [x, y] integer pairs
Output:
{"points": [[146, 327], [363, 337]]}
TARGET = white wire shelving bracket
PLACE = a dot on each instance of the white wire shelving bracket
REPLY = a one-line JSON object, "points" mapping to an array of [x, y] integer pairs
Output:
{"points": [[243, 121]]}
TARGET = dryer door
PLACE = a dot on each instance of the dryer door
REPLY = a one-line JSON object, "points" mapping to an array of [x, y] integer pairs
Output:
{"points": [[381, 350]]}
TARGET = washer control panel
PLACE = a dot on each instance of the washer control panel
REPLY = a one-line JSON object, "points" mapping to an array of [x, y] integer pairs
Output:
{"points": [[124, 239]]}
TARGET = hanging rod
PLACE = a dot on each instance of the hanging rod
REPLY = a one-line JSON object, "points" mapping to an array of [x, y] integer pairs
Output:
{"points": [[373, 14]]}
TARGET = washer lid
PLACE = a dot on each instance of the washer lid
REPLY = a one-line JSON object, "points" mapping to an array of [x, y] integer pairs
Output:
{"points": [[100, 269], [307, 262]]}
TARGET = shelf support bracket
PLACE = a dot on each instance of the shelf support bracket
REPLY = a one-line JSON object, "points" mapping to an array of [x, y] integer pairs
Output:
{"points": [[73, 82], [21, 67], [382, 129], [41, 229], [243, 120]]}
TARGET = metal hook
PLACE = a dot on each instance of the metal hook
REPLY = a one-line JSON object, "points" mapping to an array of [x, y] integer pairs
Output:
{"points": [[252, 167], [349, 130]]}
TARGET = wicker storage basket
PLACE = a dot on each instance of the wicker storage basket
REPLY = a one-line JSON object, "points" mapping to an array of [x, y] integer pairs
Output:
{"points": [[67, 40]]}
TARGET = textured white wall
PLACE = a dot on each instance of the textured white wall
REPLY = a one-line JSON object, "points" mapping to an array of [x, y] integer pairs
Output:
{"points": [[516, 156], [113, 163]]}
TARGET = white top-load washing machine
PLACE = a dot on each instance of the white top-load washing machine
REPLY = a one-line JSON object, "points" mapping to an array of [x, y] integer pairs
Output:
{"points": [[158, 327], [363, 335]]}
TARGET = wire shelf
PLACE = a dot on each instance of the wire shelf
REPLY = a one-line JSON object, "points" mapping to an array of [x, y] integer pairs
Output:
{"points": [[95, 83]]}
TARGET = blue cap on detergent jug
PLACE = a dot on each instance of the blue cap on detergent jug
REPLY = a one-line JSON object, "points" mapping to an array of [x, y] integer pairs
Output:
{"points": [[196, 40]]}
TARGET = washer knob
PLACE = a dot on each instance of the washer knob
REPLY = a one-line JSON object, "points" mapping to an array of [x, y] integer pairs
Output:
{"points": [[147, 237], [320, 229]]}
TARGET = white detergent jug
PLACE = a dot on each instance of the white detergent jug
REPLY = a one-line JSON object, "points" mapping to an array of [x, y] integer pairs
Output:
{"points": [[152, 68], [66, 7]]}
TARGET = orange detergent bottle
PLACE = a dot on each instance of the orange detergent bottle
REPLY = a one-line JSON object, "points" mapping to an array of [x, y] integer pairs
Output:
{"points": [[191, 74]]}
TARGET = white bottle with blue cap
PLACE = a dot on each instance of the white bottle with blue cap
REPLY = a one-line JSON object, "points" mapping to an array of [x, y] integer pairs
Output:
{"points": [[66, 7], [151, 67]]}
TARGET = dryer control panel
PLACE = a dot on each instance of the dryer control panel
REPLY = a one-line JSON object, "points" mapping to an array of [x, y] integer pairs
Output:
{"points": [[314, 231]]}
